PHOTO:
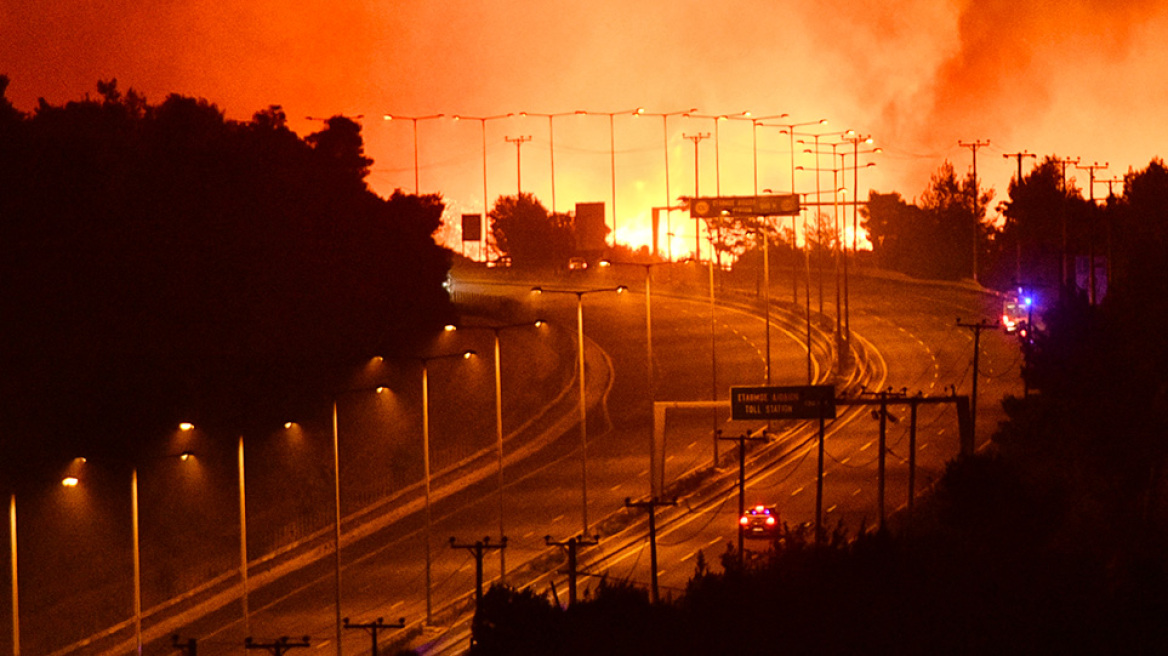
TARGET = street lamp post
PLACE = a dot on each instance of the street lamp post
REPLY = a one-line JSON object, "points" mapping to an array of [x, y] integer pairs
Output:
{"points": [[552, 151], [499, 422], [486, 207], [243, 541], [426, 467], [337, 512], [414, 120], [612, 155], [72, 481], [855, 139], [583, 398], [789, 129], [15, 584], [665, 149]]}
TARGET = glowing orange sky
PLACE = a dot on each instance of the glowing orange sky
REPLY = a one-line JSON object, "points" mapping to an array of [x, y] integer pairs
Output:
{"points": [[1086, 78]]}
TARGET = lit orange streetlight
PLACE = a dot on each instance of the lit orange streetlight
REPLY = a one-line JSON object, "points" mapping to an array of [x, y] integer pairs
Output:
{"points": [[579, 294], [414, 120], [499, 420]]}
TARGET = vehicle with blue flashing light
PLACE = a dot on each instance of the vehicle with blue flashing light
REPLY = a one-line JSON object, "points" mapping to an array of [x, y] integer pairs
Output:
{"points": [[1016, 313], [759, 522]]}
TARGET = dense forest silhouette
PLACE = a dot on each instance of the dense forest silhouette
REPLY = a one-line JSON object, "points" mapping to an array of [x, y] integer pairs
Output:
{"points": [[161, 263]]}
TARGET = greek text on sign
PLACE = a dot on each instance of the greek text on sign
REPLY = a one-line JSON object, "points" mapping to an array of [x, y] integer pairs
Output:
{"points": [[772, 205], [796, 402]]}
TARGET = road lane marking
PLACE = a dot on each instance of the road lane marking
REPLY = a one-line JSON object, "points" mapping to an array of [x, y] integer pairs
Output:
{"points": [[865, 447], [616, 487], [557, 518], [797, 490], [858, 490]]}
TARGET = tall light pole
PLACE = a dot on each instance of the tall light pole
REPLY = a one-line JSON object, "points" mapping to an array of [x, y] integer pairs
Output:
{"points": [[486, 203], [337, 512], [665, 149], [499, 422], [856, 140], [552, 153], [14, 568], [426, 468], [72, 481], [414, 120], [243, 541], [789, 129], [583, 398], [612, 154], [765, 231]]}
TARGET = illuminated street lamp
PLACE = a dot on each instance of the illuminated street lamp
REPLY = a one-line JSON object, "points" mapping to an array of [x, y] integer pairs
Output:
{"points": [[426, 465], [337, 509], [73, 481], [15, 585], [789, 129], [552, 152], [855, 139], [612, 156], [486, 206], [414, 120], [583, 401], [665, 145], [766, 239], [499, 421]]}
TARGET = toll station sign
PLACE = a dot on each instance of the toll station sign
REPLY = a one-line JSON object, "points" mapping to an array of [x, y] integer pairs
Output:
{"points": [[798, 402], [771, 205]]}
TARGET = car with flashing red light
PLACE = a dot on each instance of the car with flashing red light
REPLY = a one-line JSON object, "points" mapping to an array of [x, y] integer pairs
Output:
{"points": [[759, 522]]}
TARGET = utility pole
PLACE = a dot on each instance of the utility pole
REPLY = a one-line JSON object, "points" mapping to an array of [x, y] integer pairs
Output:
{"points": [[1110, 196], [1063, 166], [652, 505], [976, 328], [189, 647], [375, 627], [277, 648], [478, 549], [1018, 244], [973, 147], [518, 141], [572, 545], [882, 446], [1091, 168], [696, 138], [742, 440]]}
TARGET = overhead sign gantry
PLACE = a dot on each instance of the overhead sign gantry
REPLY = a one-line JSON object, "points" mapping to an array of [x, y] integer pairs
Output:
{"points": [[770, 205]]}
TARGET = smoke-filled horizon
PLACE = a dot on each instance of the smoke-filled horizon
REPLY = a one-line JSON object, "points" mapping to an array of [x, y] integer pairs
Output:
{"points": [[1081, 78]]}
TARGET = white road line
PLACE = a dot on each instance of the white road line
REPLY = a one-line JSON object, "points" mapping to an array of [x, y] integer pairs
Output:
{"points": [[797, 490], [557, 518]]}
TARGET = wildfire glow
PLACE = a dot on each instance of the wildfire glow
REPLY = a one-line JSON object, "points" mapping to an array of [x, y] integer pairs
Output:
{"points": [[918, 75]]}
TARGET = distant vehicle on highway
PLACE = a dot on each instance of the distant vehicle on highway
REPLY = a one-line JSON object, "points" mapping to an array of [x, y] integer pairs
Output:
{"points": [[1016, 314], [577, 264], [760, 522]]}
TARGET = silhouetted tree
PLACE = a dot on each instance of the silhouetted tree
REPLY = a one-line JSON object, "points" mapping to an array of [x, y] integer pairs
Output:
{"points": [[162, 262], [524, 230]]}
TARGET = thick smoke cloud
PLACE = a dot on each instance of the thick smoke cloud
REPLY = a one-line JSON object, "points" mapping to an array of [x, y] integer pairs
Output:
{"points": [[1079, 77]]}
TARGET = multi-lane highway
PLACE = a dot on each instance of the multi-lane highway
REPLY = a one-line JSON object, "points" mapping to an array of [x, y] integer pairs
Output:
{"points": [[904, 338]]}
